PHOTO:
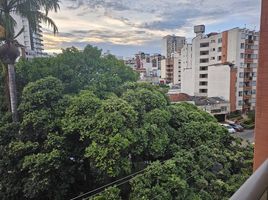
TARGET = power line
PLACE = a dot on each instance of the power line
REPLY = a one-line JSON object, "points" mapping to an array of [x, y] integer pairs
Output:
{"points": [[109, 184], [114, 182]]}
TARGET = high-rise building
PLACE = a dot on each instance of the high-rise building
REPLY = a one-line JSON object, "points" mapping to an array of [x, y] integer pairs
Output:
{"points": [[32, 41], [171, 66], [172, 44], [236, 47]]}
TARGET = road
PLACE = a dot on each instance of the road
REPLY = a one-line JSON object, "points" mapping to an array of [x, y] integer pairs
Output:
{"points": [[246, 135]]}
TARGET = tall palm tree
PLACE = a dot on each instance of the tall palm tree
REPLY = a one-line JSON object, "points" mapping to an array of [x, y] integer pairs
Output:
{"points": [[36, 11]]}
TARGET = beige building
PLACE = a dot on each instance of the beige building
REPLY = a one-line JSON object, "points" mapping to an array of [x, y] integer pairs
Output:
{"points": [[171, 69]]}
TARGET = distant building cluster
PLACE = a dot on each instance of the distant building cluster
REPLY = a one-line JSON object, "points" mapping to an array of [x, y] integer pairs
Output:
{"points": [[148, 66], [215, 65]]}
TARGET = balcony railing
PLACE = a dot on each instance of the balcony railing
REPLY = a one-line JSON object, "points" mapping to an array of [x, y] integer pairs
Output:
{"points": [[255, 188]]}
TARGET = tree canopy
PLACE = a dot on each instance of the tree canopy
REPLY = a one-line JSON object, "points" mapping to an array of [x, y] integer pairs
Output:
{"points": [[81, 128]]}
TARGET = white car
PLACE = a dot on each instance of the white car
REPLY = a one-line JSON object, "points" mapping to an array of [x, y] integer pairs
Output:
{"points": [[229, 128]]}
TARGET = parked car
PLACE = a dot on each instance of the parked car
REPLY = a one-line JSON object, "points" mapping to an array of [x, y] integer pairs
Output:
{"points": [[237, 127], [229, 128]]}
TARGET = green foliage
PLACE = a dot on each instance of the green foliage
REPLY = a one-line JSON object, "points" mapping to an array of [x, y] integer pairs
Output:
{"points": [[111, 193], [112, 137], [86, 127], [77, 70]]}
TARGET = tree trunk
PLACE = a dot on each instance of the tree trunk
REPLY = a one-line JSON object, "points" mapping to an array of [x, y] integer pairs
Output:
{"points": [[12, 92]]}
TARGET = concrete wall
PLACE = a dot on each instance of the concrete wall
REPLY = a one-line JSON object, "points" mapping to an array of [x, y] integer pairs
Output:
{"points": [[219, 81]]}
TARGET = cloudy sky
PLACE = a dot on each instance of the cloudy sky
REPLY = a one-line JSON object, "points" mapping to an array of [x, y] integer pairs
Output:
{"points": [[127, 26]]}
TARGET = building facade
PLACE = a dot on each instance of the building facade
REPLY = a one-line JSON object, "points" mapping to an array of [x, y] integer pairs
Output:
{"points": [[171, 69], [31, 41], [172, 44], [238, 47]]}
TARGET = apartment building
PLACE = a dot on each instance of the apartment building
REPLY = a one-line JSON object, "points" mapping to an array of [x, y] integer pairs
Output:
{"points": [[171, 69], [32, 41], [172, 44], [171, 66], [236, 47]]}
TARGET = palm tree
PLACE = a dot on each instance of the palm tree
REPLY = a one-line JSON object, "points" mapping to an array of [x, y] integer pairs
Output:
{"points": [[36, 11]]}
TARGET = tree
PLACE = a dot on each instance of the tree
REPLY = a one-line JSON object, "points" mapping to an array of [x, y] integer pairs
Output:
{"points": [[9, 52], [112, 137], [68, 144], [78, 70]]}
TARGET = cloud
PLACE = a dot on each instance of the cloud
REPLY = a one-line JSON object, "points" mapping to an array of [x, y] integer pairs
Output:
{"points": [[144, 22]]}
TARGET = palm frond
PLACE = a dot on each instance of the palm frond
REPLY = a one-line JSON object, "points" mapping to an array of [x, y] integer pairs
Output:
{"points": [[9, 24], [19, 33], [32, 10]]}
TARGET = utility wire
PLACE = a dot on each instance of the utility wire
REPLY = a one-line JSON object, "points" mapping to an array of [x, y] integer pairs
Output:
{"points": [[107, 185], [114, 182]]}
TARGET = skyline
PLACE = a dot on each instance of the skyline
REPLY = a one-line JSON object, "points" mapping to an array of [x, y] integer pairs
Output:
{"points": [[125, 27]]}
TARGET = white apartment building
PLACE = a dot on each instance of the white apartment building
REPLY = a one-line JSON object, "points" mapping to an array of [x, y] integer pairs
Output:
{"points": [[32, 41], [172, 44], [236, 47]]}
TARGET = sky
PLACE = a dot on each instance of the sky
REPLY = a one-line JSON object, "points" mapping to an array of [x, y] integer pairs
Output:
{"points": [[125, 27]]}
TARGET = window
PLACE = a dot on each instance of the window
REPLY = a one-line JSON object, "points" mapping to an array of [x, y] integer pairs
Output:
{"points": [[203, 83], [223, 108], [242, 46], [241, 55], [220, 40], [213, 41], [212, 58], [219, 58], [204, 44], [243, 36], [253, 83], [240, 103], [219, 49], [203, 91], [254, 47], [202, 53], [253, 91], [254, 74], [241, 75], [241, 84], [203, 75], [254, 56], [203, 68], [213, 49], [240, 94], [204, 60]]}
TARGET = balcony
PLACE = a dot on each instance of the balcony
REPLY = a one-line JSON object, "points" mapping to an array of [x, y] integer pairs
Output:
{"points": [[255, 188], [249, 51], [250, 42], [248, 70], [246, 88], [248, 60], [247, 79], [247, 97]]}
